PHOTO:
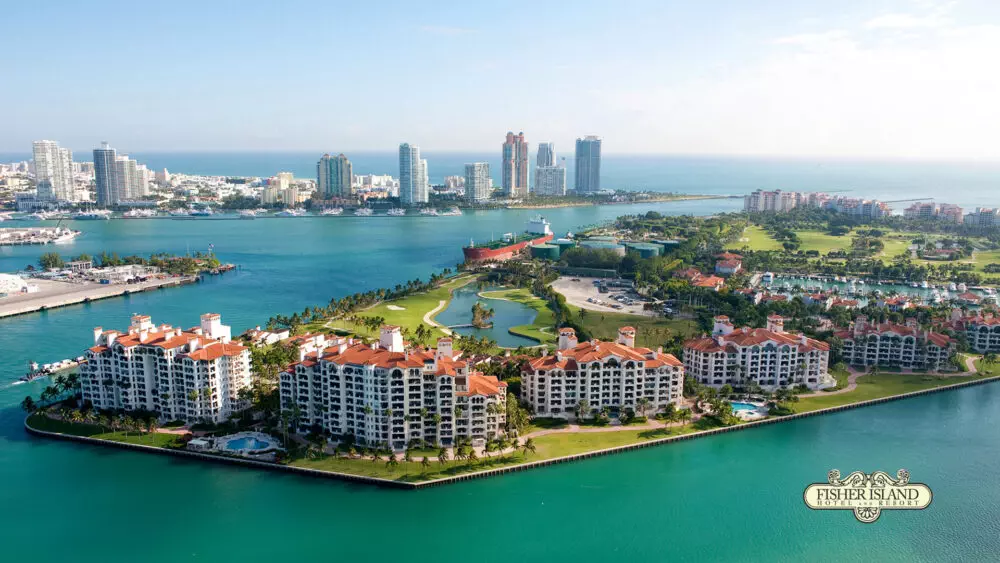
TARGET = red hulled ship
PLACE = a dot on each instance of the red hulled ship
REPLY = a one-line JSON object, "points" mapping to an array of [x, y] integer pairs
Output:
{"points": [[538, 232]]}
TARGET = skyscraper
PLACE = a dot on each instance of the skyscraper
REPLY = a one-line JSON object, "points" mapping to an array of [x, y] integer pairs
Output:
{"points": [[334, 176], [588, 165], [412, 175], [514, 166], [105, 176], [477, 182], [546, 154], [53, 171]]}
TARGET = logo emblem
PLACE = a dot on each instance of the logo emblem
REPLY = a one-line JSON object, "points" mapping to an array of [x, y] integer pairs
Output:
{"points": [[868, 494]]}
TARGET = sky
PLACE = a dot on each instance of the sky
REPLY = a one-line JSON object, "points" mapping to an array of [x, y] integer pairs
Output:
{"points": [[911, 79]]}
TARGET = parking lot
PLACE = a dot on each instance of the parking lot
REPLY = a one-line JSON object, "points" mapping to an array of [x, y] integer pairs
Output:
{"points": [[584, 293]]}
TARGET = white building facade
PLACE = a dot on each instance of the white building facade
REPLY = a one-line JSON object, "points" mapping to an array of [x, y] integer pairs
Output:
{"points": [[769, 357], [893, 345], [605, 374], [412, 176], [53, 171], [385, 393], [191, 375], [477, 182]]}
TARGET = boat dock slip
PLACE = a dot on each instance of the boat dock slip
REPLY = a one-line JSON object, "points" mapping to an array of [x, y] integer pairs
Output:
{"points": [[52, 294]]}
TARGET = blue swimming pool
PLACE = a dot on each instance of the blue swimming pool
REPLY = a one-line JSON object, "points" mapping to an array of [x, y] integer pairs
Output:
{"points": [[739, 406], [246, 443]]}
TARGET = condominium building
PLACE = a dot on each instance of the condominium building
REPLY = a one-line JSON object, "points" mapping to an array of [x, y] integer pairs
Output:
{"points": [[546, 154], [605, 374], [477, 182], [53, 171], [550, 180], [334, 176], [866, 343], [193, 375], [588, 165], [106, 176], [761, 201], [413, 188], [514, 166], [385, 393], [943, 211], [769, 357], [982, 218], [981, 329]]}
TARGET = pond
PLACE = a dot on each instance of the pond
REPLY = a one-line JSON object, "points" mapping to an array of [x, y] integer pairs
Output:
{"points": [[506, 314]]}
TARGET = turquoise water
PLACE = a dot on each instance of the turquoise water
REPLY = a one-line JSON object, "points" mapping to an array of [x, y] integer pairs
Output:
{"points": [[739, 406], [731, 497], [246, 443], [505, 315]]}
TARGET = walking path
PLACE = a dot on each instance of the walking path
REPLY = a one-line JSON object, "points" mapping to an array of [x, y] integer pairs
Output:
{"points": [[852, 379], [429, 317]]}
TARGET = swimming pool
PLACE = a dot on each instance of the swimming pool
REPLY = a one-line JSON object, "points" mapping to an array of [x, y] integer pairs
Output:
{"points": [[247, 443], [739, 406]]}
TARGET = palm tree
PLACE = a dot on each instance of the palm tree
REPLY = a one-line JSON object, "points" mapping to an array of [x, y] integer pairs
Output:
{"points": [[407, 456], [442, 456], [471, 457], [28, 404], [375, 455], [684, 415], [425, 463], [641, 405], [392, 462], [528, 446]]}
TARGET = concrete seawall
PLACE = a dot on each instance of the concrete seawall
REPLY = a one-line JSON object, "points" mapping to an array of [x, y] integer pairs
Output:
{"points": [[74, 294], [500, 470]]}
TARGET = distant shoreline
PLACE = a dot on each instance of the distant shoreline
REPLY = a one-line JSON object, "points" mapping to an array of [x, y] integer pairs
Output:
{"points": [[653, 199]]}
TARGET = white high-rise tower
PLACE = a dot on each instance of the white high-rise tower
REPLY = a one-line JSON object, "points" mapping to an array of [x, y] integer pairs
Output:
{"points": [[412, 175], [53, 171]]}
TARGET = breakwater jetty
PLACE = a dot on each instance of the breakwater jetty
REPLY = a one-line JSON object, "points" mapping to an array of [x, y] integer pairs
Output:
{"points": [[52, 294]]}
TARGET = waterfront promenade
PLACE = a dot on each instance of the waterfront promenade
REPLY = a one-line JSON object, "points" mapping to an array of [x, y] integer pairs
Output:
{"points": [[53, 294]]}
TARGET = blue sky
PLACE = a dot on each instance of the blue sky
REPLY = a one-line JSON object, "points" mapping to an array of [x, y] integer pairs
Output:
{"points": [[876, 78]]}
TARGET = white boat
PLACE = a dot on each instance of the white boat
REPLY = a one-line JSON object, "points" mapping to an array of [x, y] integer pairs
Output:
{"points": [[768, 277], [206, 212], [396, 212], [452, 212], [139, 214], [962, 287], [363, 212], [94, 215], [429, 211], [180, 213], [952, 287], [290, 213], [924, 284], [332, 211], [248, 214]]}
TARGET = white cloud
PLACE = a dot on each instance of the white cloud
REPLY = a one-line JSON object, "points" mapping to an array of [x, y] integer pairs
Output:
{"points": [[907, 21]]}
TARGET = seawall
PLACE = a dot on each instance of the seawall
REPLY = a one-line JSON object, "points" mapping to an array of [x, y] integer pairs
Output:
{"points": [[500, 470]]}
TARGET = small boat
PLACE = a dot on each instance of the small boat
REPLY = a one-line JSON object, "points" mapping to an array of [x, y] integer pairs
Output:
{"points": [[206, 212], [248, 214], [95, 215], [962, 287], [924, 284], [180, 213], [952, 286], [363, 212], [290, 213], [139, 214], [452, 212], [330, 211], [429, 211], [396, 212]]}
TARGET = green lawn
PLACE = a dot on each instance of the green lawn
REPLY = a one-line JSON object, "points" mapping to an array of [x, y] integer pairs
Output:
{"points": [[987, 369], [883, 385], [544, 319], [756, 238], [822, 242], [411, 314], [42, 422], [650, 331], [840, 374]]}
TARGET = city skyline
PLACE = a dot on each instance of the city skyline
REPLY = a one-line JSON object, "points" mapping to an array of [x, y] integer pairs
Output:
{"points": [[783, 79]]}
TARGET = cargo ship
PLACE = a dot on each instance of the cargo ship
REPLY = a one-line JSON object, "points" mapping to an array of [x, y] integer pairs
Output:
{"points": [[537, 232]]}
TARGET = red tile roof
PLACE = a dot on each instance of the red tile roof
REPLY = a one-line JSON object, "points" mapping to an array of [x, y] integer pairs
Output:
{"points": [[754, 337], [596, 350]]}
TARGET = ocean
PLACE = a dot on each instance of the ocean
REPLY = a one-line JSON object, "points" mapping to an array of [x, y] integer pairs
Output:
{"points": [[733, 497]]}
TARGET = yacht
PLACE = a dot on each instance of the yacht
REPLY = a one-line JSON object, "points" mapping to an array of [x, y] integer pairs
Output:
{"points": [[768, 277], [332, 211], [290, 213], [452, 212], [924, 284], [962, 287], [952, 287], [139, 214], [206, 212], [363, 212], [180, 213], [248, 214], [396, 212], [429, 211], [94, 215]]}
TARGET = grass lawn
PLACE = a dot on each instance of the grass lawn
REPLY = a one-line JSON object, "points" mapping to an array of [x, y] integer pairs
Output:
{"points": [[650, 331], [822, 242], [756, 238], [42, 422], [883, 385], [840, 374], [987, 369], [544, 319], [411, 314]]}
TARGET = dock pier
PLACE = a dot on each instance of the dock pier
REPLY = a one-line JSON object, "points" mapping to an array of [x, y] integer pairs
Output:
{"points": [[53, 294]]}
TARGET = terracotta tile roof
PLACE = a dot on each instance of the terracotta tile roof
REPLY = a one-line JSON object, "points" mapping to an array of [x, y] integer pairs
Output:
{"points": [[744, 337], [729, 256], [709, 281], [215, 351], [595, 350], [485, 385], [728, 264], [364, 355], [98, 349]]}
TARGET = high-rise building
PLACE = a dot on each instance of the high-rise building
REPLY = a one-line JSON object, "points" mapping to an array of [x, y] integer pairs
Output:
{"points": [[550, 181], [514, 166], [477, 182], [53, 171], [412, 175], [546, 154], [106, 176], [123, 177], [334, 176], [588, 165]]}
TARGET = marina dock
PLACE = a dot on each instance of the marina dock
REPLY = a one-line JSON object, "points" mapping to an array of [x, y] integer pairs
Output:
{"points": [[53, 294]]}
